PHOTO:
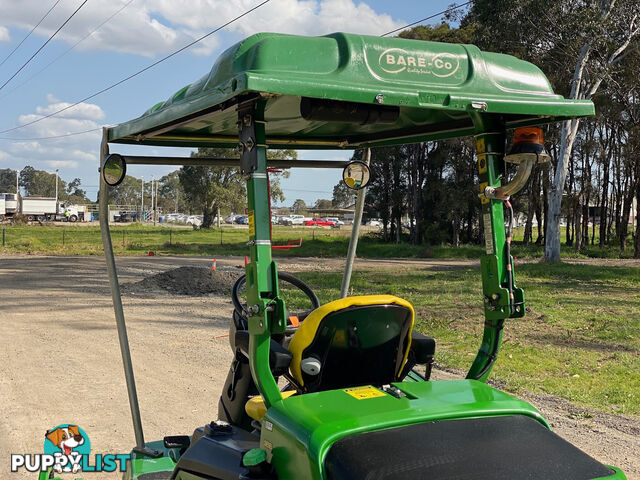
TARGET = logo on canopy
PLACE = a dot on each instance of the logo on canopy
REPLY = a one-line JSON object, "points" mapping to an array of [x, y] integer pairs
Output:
{"points": [[396, 60]]}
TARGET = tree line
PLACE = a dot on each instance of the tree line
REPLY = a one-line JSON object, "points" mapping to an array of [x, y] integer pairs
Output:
{"points": [[39, 183], [426, 193], [589, 49]]}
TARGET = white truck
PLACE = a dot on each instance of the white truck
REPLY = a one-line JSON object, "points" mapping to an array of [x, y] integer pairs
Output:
{"points": [[8, 205], [40, 208]]}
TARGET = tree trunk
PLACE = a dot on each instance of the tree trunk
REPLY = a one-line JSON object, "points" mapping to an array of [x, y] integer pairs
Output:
{"points": [[636, 242], [455, 229], [542, 220], [624, 224], [577, 224], [552, 234]]}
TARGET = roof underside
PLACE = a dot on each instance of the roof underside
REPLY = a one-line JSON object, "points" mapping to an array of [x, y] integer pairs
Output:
{"points": [[348, 91]]}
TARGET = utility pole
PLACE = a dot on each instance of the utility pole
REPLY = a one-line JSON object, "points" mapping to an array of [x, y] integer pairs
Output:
{"points": [[142, 201], [152, 210], [56, 190], [155, 212], [17, 184]]}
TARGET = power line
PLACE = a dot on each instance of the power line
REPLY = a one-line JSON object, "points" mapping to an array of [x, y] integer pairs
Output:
{"points": [[44, 44], [148, 67], [28, 34], [169, 56], [451, 9], [51, 137], [68, 50]]}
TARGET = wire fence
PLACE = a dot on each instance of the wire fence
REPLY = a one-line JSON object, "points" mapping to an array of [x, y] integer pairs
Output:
{"points": [[87, 239]]}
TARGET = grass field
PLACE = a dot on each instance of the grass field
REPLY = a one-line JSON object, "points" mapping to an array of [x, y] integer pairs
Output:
{"points": [[580, 338], [134, 239]]}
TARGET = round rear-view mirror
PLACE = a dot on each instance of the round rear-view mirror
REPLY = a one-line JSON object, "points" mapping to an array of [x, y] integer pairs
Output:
{"points": [[356, 175], [114, 169]]}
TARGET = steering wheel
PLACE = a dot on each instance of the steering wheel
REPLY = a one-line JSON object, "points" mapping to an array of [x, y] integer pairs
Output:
{"points": [[241, 309]]}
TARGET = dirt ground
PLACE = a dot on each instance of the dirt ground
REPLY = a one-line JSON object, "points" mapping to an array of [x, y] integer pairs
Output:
{"points": [[60, 359]]}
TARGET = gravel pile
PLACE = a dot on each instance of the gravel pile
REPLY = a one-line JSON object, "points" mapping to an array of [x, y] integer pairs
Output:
{"points": [[192, 281]]}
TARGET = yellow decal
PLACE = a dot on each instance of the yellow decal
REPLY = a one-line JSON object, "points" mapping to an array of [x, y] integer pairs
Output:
{"points": [[252, 225], [482, 163], [480, 146], [268, 445], [483, 199], [362, 393]]}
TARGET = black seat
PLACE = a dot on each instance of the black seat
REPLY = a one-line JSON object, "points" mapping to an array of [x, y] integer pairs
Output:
{"points": [[496, 448], [351, 342]]}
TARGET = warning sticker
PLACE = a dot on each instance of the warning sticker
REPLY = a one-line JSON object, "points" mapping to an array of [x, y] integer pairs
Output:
{"points": [[252, 225], [488, 233], [362, 393]]}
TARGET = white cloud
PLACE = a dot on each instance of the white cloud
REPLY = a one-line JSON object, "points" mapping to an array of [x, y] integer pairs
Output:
{"points": [[151, 27], [87, 111], [75, 156], [62, 163], [4, 34], [3, 155]]}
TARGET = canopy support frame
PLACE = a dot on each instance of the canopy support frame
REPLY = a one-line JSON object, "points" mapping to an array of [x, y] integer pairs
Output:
{"points": [[494, 264], [355, 233], [118, 310], [267, 312]]}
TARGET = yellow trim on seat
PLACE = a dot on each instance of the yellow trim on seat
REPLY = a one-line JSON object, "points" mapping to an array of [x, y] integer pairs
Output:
{"points": [[256, 408], [307, 330]]}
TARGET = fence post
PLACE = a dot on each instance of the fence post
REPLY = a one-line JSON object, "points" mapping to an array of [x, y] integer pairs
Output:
{"points": [[220, 235], [3, 236], [170, 237], [123, 238], [63, 232]]}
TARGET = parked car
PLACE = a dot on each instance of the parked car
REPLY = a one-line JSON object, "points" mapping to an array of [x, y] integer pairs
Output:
{"points": [[320, 222], [230, 218], [336, 220], [242, 220], [374, 223], [293, 220]]}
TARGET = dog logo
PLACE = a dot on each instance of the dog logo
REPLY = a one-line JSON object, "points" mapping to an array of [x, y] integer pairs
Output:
{"points": [[67, 442], [67, 449]]}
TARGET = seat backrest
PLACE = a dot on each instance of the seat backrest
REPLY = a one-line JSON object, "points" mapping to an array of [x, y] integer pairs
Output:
{"points": [[352, 341]]}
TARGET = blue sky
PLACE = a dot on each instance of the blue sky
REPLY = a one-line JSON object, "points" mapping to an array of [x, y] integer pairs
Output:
{"points": [[142, 32]]}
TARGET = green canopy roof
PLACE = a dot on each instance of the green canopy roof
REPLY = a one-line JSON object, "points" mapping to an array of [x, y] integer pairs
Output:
{"points": [[347, 91]]}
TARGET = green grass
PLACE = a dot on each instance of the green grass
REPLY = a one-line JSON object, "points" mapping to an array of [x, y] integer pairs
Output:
{"points": [[171, 240], [579, 340]]}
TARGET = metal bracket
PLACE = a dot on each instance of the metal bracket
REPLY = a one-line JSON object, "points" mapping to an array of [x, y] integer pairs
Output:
{"points": [[247, 138], [149, 452]]}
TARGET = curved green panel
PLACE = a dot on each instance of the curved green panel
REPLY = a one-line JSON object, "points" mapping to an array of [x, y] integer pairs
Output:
{"points": [[435, 87]]}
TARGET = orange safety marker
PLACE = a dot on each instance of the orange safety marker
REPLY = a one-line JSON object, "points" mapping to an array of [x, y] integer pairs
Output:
{"points": [[295, 321], [213, 264], [151, 254]]}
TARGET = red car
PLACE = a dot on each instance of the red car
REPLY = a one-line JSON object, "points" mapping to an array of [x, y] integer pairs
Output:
{"points": [[319, 222]]}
